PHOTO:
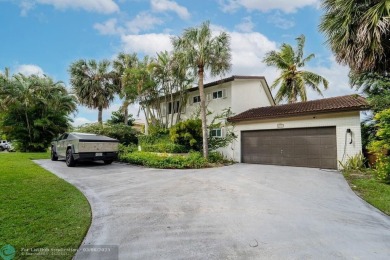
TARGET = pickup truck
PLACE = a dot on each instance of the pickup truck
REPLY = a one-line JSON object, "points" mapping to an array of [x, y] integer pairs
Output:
{"points": [[76, 147]]}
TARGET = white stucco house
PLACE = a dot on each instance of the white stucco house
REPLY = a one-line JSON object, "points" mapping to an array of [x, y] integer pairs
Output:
{"points": [[317, 133]]}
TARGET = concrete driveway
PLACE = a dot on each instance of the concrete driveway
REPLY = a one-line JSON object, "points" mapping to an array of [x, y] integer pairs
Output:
{"points": [[236, 212]]}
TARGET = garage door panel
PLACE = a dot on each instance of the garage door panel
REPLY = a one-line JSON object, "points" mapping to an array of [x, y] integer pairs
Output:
{"points": [[308, 147]]}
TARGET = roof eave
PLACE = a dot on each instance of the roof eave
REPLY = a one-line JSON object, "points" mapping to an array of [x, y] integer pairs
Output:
{"points": [[329, 111]]}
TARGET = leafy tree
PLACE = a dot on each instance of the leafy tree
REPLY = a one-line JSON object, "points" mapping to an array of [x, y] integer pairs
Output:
{"points": [[201, 51], [376, 86], [118, 117], [122, 62], [93, 84], [35, 110], [382, 145], [358, 33], [140, 87], [293, 81]]}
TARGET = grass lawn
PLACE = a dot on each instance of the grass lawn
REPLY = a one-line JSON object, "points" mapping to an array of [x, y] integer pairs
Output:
{"points": [[371, 190], [38, 209]]}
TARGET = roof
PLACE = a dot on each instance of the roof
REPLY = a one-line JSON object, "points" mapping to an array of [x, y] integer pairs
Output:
{"points": [[325, 105], [225, 80]]}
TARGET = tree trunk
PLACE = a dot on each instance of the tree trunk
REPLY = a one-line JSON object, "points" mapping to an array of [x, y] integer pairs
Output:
{"points": [[100, 115], [203, 112], [126, 112]]}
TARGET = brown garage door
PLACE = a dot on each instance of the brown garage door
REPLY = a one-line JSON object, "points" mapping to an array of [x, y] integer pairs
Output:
{"points": [[306, 147]]}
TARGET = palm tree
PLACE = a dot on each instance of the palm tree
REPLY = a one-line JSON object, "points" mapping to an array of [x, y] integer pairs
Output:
{"points": [[201, 51], [293, 81], [122, 62], [358, 33], [93, 84]]}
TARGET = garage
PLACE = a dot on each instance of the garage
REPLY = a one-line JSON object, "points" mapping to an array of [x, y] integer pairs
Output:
{"points": [[318, 133], [305, 147]]}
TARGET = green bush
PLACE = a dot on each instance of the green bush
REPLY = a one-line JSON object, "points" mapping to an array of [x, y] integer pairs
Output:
{"points": [[190, 161], [125, 134], [354, 163], [216, 157], [164, 148], [381, 146], [188, 133], [126, 149]]}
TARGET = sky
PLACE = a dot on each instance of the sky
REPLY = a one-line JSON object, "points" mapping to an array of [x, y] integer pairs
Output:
{"points": [[46, 36]]}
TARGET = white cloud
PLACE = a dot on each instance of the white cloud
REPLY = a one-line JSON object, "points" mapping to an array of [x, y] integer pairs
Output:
{"points": [[25, 7], [246, 25], [166, 5], [286, 6], [280, 21], [99, 6], [148, 44], [109, 27], [29, 69], [142, 22], [337, 75]]}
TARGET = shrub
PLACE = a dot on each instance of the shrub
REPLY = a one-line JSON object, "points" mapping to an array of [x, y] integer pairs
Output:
{"points": [[125, 134], [126, 149], [188, 133], [216, 157], [164, 148], [381, 146], [192, 160], [354, 163]]}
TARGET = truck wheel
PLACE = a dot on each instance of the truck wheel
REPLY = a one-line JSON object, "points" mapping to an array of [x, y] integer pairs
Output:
{"points": [[70, 161], [1, 148], [54, 156], [108, 161]]}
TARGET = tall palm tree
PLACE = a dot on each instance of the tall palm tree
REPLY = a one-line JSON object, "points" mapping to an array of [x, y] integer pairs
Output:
{"points": [[93, 84], [122, 62], [202, 52], [292, 80], [358, 33]]}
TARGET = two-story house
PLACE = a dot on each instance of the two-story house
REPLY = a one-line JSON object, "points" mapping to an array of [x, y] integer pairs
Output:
{"points": [[317, 133]]}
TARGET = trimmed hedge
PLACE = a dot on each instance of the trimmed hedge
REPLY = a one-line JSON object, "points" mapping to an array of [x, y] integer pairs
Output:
{"points": [[164, 148], [193, 160]]}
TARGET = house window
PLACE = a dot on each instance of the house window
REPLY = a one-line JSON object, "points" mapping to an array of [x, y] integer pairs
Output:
{"points": [[196, 99], [173, 109], [217, 132], [217, 94]]}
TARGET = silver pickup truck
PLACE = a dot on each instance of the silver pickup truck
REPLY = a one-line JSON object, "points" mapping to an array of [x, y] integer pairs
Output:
{"points": [[75, 147]]}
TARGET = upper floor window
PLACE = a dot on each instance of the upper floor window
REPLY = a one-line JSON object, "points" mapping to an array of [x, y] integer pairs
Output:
{"points": [[196, 99], [217, 94]]}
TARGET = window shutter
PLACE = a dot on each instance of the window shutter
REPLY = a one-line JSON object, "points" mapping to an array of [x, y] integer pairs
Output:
{"points": [[223, 132], [224, 93], [209, 96], [191, 100], [183, 108]]}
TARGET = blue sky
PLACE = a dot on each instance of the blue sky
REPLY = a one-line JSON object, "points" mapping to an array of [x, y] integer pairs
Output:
{"points": [[45, 36]]}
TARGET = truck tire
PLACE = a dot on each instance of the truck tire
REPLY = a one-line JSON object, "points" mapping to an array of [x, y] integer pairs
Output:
{"points": [[54, 156], [70, 161], [108, 161]]}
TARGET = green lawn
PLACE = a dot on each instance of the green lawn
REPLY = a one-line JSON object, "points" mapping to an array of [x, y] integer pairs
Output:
{"points": [[38, 209], [371, 190]]}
